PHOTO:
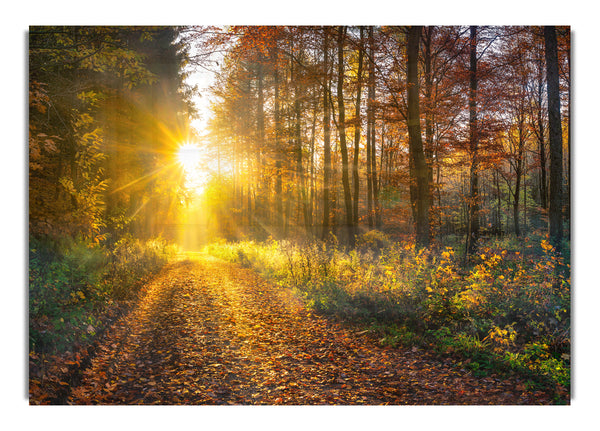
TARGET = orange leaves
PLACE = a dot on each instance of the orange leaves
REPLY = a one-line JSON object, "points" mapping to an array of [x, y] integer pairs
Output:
{"points": [[38, 96]]}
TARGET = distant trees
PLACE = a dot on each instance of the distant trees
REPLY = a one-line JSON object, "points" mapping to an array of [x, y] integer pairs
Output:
{"points": [[430, 131]]}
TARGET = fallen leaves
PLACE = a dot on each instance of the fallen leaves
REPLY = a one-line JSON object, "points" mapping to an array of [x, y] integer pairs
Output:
{"points": [[203, 335]]}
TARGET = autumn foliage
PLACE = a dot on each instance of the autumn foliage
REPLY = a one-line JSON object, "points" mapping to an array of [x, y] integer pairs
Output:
{"points": [[501, 312], [392, 201]]}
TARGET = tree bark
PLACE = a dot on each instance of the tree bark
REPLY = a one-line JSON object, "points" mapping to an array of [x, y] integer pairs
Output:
{"points": [[417, 154], [429, 149], [342, 137], [357, 129], [278, 148], [326, 139], [555, 138], [539, 131], [473, 222], [262, 210], [370, 132], [300, 174], [374, 177]]}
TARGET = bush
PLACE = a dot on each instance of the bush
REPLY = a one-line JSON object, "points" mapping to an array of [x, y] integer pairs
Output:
{"points": [[374, 241], [72, 282], [133, 261], [65, 287]]}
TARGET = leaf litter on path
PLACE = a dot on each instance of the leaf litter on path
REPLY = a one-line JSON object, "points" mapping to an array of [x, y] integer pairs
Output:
{"points": [[211, 332]]}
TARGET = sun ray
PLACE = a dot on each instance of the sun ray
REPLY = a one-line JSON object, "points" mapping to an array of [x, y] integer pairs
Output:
{"points": [[143, 178]]}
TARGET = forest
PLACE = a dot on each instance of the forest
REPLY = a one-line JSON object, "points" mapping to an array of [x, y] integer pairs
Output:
{"points": [[409, 182]]}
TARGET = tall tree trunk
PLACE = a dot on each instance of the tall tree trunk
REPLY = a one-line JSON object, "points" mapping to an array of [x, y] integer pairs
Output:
{"points": [[370, 130], [417, 155], [357, 129], [326, 139], [374, 177], [375, 182], [473, 222], [301, 178], [540, 137], [519, 174], [370, 220], [342, 136], [516, 205], [278, 148], [568, 161], [429, 104], [311, 177], [262, 210], [555, 135], [498, 203]]}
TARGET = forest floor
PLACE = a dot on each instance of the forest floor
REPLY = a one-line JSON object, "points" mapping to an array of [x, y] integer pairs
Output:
{"points": [[210, 332]]}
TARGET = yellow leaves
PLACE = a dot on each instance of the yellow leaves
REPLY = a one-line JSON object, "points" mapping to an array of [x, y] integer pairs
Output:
{"points": [[502, 336], [481, 273], [546, 246], [472, 297], [88, 96], [390, 272]]}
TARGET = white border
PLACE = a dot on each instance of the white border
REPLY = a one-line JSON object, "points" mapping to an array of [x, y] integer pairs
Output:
{"points": [[578, 14]]}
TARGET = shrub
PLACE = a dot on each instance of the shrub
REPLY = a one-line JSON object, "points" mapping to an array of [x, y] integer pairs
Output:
{"points": [[72, 282], [133, 261], [65, 288], [374, 241]]}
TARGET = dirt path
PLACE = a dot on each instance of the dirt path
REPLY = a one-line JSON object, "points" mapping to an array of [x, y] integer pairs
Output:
{"points": [[209, 332]]}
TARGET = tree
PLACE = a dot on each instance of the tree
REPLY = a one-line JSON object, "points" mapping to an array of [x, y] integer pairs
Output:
{"points": [[326, 137], [417, 155], [555, 138], [95, 98], [477, 90], [342, 137], [373, 213], [357, 130], [473, 221]]}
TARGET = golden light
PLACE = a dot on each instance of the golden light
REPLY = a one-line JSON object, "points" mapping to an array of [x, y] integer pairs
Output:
{"points": [[189, 156]]}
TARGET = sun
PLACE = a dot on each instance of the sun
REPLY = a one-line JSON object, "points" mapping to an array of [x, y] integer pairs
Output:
{"points": [[189, 156]]}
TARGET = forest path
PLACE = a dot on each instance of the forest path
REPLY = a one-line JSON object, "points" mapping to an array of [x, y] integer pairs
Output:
{"points": [[211, 332]]}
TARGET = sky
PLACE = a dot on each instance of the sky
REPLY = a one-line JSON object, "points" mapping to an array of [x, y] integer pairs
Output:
{"points": [[203, 79]]}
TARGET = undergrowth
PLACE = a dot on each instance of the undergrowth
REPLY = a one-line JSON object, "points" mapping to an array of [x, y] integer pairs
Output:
{"points": [[71, 283], [507, 308]]}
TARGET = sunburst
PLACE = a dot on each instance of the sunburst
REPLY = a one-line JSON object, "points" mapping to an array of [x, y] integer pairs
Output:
{"points": [[189, 156]]}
